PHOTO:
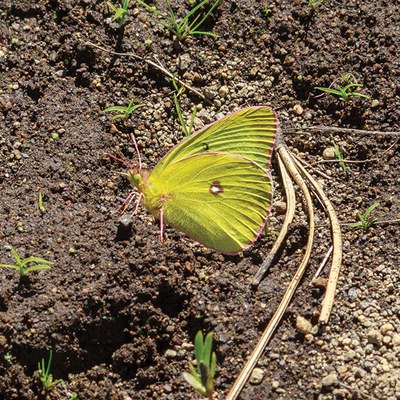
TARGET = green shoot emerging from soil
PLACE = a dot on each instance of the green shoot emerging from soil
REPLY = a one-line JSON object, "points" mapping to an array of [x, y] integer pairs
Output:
{"points": [[315, 3], [20, 266], [120, 12], [43, 374], [124, 111], [42, 208], [201, 378], [344, 92], [188, 25], [339, 155], [365, 219], [187, 129]]}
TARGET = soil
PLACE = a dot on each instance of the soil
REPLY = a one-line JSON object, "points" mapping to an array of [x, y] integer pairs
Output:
{"points": [[118, 309]]}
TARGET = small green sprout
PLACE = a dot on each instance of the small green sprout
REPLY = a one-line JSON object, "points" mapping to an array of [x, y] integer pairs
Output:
{"points": [[38, 263], [339, 155], [42, 208], [344, 92], [267, 11], [120, 12], [7, 357], [187, 129], [365, 219], [188, 25], [125, 111], [43, 374], [54, 136], [315, 3], [201, 378]]}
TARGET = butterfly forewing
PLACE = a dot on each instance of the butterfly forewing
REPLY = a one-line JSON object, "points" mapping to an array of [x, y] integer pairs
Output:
{"points": [[248, 133], [220, 200]]}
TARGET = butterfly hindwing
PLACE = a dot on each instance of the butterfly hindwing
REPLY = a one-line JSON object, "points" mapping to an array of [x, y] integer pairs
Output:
{"points": [[220, 200], [249, 133]]}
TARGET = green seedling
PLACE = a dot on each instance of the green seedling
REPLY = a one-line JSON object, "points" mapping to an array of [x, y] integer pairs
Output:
{"points": [[119, 12], [188, 25], [124, 111], [315, 3], [43, 374], [267, 11], [20, 266], [365, 219], [7, 357], [201, 377], [345, 92], [339, 155], [187, 129], [42, 208]]}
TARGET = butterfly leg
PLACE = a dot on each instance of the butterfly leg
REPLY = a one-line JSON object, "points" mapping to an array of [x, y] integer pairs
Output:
{"points": [[161, 225], [137, 203], [122, 208]]}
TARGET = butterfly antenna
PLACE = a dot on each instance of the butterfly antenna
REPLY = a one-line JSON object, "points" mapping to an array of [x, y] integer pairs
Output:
{"points": [[161, 225], [137, 151], [122, 160]]}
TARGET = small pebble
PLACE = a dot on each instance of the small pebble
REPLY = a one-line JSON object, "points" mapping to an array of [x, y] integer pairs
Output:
{"points": [[329, 153], [386, 329], [303, 326], [329, 380], [374, 103], [374, 337], [256, 376], [298, 109], [280, 207], [396, 339], [170, 353]]}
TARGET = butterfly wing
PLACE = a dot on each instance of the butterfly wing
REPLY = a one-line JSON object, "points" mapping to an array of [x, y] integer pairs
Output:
{"points": [[220, 200], [248, 133]]}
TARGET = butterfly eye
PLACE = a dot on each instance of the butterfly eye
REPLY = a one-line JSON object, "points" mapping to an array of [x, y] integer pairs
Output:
{"points": [[205, 146], [216, 188]]}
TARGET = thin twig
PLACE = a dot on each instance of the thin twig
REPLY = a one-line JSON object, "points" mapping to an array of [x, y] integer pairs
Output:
{"points": [[155, 65], [291, 205], [321, 267], [311, 166], [358, 161], [340, 130], [349, 224]]}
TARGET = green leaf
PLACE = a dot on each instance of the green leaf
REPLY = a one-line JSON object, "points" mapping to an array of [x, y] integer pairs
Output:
{"points": [[370, 209], [213, 364], [16, 255], [198, 348], [119, 13], [207, 349], [329, 90], [194, 383]]}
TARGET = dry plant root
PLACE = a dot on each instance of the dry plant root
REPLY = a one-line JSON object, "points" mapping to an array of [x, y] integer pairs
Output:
{"points": [[288, 164]]}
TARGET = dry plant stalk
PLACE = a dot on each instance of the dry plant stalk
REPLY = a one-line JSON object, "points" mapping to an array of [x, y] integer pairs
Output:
{"points": [[289, 165]]}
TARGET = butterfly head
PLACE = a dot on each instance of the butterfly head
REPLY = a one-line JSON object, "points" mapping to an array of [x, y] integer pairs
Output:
{"points": [[138, 178], [134, 177]]}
